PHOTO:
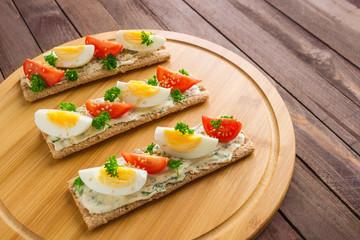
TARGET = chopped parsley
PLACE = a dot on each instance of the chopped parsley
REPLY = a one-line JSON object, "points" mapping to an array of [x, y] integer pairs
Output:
{"points": [[111, 94], [67, 107], [99, 122], [145, 38], [36, 83], [111, 166], [110, 62], [150, 148], [152, 81], [228, 117], [216, 123], [183, 128], [57, 139], [145, 193], [177, 96], [183, 72], [51, 59], [175, 164], [78, 183], [71, 75]]}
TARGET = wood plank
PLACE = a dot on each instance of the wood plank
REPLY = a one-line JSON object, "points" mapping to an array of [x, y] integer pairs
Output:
{"points": [[16, 39], [49, 25], [279, 229], [335, 22], [315, 211], [283, 50]]}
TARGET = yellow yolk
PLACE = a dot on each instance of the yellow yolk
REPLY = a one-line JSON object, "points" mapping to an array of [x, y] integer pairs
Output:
{"points": [[182, 143], [126, 177], [68, 53], [63, 119], [133, 37], [141, 89]]}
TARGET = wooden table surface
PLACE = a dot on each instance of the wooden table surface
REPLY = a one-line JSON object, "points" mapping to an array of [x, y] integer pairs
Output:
{"points": [[308, 49]]}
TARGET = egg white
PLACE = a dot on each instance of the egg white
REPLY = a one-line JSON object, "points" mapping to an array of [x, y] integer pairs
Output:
{"points": [[48, 127], [158, 42], [206, 146], [90, 179], [156, 99], [77, 61]]}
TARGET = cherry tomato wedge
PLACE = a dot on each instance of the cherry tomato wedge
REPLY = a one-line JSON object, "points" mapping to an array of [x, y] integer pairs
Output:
{"points": [[102, 47], [49, 74], [152, 164], [115, 109], [226, 131], [174, 80]]}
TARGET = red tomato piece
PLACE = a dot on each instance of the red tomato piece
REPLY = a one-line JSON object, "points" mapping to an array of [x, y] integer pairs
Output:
{"points": [[174, 80], [49, 74], [115, 109], [152, 164], [102, 47], [227, 130]]}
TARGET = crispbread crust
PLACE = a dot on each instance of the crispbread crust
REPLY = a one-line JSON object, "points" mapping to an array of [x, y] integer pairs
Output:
{"points": [[122, 127], [158, 56], [94, 220]]}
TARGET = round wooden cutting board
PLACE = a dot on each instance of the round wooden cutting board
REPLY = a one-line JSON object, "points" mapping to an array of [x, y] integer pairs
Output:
{"points": [[234, 202]]}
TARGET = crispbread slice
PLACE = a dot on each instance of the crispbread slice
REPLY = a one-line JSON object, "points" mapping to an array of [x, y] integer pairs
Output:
{"points": [[158, 56], [94, 220], [122, 127]]}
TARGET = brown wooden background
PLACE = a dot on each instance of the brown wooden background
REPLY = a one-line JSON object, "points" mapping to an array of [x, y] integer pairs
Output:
{"points": [[309, 50]]}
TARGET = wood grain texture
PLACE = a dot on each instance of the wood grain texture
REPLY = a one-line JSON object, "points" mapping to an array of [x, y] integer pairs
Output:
{"points": [[308, 202], [47, 22], [335, 22], [16, 40], [47, 209], [274, 42]]}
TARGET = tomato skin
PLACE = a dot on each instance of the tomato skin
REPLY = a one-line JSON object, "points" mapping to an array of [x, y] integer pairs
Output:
{"points": [[115, 109], [103, 48], [174, 80], [49, 74], [152, 164], [228, 130]]}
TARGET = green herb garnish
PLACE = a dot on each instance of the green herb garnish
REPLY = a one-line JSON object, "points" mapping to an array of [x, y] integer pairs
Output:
{"points": [[67, 107], [36, 83], [183, 128], [228, 117], [150, 148], [78, 183], [110, 62], [183, 72], [111, 166], [216, 123], [145, 38], [145, 193], [152, 81], [71, 75], [111, 94], [51, 59], [99, 122], [57, 139], [175, 164], [177, 96]]}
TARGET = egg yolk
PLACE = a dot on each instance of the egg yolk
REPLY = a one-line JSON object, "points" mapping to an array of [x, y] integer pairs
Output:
{"points": [[182, 143], [133, 37], [68, 53], [126, 177], [63, 119], [141, 89]]}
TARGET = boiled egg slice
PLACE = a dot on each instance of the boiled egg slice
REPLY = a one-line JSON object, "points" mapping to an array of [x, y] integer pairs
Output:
{"points": [[140, 94], [129, 180], [174, 143], [61, 124], [132, 40], [72, 56]]}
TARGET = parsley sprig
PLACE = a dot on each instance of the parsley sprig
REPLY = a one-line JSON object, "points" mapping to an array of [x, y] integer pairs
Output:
{"points": [[67, 107], [111, 166], [183, 128], [99, 122], [71, 75], [150, 148], [51, 59], [175, 164], [37, 84], [152, 81], [111, 94], [228, 117], [78, 183], [216, 123], [110, 62], [145, 38], [177, 96], [183, 72]]}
